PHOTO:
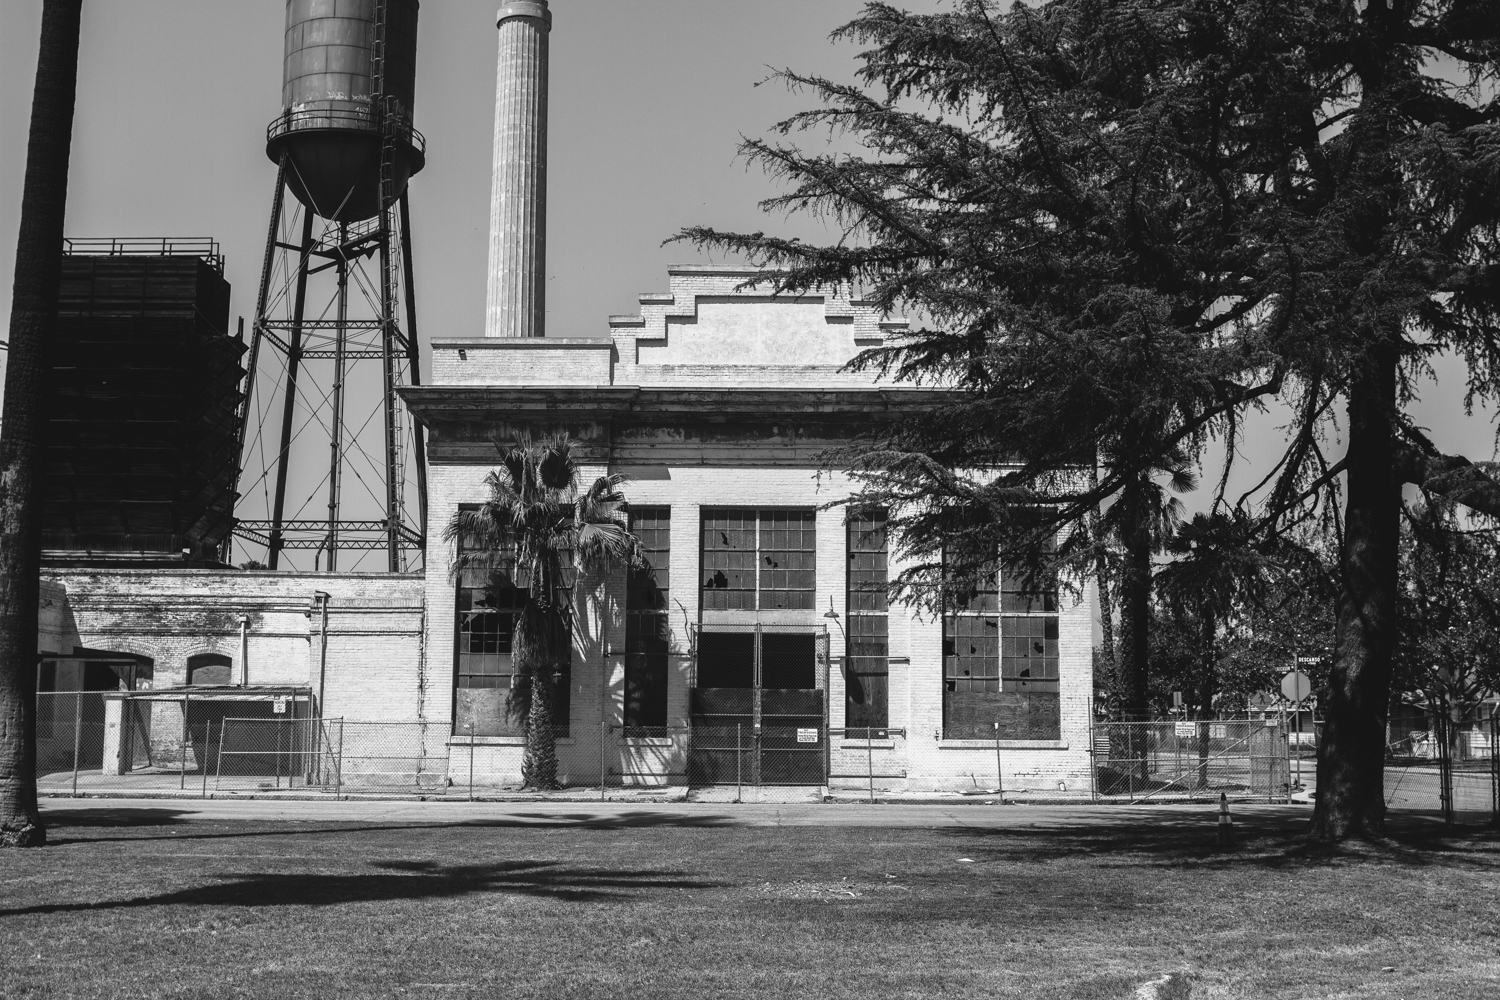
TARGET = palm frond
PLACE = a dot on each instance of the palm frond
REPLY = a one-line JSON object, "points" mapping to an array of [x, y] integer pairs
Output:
{"points": [[604, 544]]}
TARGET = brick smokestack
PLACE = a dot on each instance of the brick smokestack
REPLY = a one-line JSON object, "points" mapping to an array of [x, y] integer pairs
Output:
{"points": [[516, 301]]}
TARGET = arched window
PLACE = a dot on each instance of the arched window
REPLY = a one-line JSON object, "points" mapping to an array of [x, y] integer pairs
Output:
{"points": [[209, 669]]}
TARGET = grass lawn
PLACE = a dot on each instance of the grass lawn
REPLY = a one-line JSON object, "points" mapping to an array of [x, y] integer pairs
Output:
{"points": [[646, 906]]}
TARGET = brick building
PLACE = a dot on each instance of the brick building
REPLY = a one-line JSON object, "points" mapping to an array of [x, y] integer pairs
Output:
{"points": [[767, 616]]}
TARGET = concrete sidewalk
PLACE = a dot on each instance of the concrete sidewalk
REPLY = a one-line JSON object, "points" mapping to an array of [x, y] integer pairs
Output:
{"points": [[687, 814]]}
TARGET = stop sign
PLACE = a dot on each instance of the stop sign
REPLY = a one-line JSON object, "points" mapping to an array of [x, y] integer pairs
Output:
{"points": [[1296, 686]]}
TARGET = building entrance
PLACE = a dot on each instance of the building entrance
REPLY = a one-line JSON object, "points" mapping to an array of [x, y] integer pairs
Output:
{"points": [[757, 713]]}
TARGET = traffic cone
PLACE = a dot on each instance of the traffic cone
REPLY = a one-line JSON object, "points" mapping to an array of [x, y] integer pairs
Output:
{"points": [[1226, 825]]}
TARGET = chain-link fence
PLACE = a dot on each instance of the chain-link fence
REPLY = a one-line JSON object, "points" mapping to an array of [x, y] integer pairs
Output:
{"points": [[93, 743], [1176, 760], [85, 739], [866, 762], [1449, 769], [127, 743]]}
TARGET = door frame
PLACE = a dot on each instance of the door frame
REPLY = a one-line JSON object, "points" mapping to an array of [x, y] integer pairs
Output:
{"points": [[821, 667]]}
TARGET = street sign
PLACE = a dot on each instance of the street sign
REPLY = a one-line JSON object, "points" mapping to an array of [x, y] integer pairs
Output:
{"points": [[1296, 686]]}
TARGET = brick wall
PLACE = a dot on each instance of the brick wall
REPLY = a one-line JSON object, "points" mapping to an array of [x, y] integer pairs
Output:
{"points": [[923, 760], [375, 660], [727, 339]]}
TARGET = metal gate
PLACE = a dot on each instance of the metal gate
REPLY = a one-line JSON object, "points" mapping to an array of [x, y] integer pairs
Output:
{"points": [[759, 716]]}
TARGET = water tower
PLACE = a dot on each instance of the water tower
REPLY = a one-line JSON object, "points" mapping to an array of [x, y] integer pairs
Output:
{"points": [[329, 443]]}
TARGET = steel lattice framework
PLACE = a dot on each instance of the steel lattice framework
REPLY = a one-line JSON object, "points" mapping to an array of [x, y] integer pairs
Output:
{"points": [[309, 366]]}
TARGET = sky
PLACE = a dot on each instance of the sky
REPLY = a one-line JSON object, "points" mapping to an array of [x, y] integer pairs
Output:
{"points": [[648, 101]]}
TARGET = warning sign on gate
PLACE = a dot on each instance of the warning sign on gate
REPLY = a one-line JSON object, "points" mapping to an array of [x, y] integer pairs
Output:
{"points": [[278, 705], [807, 736]]}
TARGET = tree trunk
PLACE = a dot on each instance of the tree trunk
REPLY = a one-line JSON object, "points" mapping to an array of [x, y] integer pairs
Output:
{"points": [[1205, 705], [1351, 752], [1134, 595], [538, 644], [1105, 656], [33, 322], [539, 760]]}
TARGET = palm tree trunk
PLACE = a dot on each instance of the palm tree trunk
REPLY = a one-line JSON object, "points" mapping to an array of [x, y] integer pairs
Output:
{"points": [[538, 646], [539, 762], [33, 323], [1351, 752]]}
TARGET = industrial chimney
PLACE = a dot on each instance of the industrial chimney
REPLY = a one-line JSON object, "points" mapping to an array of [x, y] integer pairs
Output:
{"points": [[515, 303]]}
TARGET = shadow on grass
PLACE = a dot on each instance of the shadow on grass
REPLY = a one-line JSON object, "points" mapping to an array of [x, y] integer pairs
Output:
{"points": [[152, 816], [1183, 840], [399, 880]]}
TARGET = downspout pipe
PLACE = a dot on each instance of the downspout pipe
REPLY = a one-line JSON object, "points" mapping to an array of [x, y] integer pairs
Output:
{"points": [[244, 651], [322, 598]]}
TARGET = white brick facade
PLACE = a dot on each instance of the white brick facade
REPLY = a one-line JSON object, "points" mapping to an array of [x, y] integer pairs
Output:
{"points": [[716, 396]]}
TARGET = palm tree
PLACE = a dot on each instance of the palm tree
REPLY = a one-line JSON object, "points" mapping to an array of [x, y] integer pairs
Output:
{"points": [[33, 322], [536, 530]]}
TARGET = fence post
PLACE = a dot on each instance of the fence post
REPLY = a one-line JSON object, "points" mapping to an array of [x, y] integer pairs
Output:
{"points": [[1495, 766], [999, 774], [219, 759], [1286, 743], [870, 761], [208, 733], [338, 765], [1177, 748], [186, 745], [471, 761], [739, 792], [1445, 765], [77, 736], [1093, 762], [603, 734]]}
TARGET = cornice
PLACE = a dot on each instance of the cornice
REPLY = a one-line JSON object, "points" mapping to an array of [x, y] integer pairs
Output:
{"points": [[605, 402]]}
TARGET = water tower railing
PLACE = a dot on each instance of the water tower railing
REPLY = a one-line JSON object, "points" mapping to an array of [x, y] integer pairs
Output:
{"points": [[355, 120]]}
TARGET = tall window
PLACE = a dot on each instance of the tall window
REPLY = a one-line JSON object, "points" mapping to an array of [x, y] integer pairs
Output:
{"points": [[867, 663], [646, 617], [1000, 660], [758, 560], [484, 673]]}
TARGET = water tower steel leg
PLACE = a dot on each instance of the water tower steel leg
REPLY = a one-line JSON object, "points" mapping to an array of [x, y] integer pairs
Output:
{"points": [[414, 366], [336, 435], [260, 314], [388, 363], [289, 405]]}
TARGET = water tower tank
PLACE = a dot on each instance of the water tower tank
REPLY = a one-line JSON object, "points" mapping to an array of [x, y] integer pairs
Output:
{"points": [[328, 125]]}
